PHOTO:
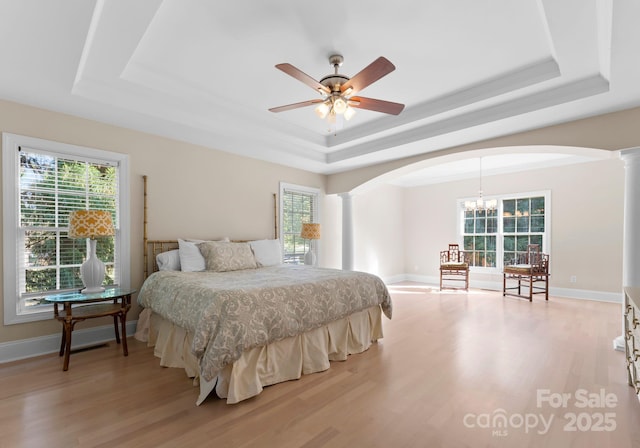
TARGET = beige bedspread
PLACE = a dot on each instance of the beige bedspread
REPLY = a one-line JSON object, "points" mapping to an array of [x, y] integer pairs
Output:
{"points": [[231, 312]]}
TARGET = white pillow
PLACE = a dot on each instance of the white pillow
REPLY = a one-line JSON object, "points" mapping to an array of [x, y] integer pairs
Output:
{"points": [[267, 252], [168, 261], [191, 260]]}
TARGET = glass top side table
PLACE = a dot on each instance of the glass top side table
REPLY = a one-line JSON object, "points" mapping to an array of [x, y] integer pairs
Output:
{"points": [[114, 302]]}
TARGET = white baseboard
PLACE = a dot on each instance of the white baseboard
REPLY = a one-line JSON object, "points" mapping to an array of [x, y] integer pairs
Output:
{"points": [[394, 279], [582, 294], [28, 348]]}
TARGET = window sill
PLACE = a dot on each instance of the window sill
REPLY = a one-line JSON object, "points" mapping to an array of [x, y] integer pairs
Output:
{"points": [[28, 317]]}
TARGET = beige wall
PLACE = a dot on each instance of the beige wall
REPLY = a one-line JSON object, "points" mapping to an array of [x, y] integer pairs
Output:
{"points": [[193, 191], [586, 222], [378, 224]]}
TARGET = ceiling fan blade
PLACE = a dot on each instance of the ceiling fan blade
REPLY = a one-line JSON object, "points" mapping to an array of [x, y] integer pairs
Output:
{"points": [[302, 76], [295, 105], [370, 74], [378, 105]]}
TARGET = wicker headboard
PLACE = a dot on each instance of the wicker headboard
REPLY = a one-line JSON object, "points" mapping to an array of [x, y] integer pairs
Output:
{"points": [[154, 247]]}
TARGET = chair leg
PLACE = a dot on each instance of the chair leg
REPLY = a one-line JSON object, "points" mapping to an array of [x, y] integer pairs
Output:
{"points": [[504, 285], [546, 288]]}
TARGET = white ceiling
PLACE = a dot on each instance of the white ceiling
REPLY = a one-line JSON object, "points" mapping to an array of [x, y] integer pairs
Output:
{"points": [[203, 71]]}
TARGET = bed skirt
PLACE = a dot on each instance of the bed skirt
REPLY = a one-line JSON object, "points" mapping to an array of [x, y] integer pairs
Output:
{"points": [[258, 367]]}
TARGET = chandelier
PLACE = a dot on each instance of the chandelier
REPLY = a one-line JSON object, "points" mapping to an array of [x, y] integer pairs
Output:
{"points": [[480, 204]]}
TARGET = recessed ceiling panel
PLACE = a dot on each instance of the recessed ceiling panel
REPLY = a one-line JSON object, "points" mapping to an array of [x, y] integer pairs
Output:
{"points": [[229, 50]]}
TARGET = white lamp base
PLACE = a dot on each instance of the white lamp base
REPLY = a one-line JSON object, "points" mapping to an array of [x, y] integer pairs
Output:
{"points": [[310, 258], [92, 271]]}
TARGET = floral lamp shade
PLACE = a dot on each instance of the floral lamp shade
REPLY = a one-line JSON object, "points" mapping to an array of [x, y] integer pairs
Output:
{"points": [[310, 231], [90, 224]]}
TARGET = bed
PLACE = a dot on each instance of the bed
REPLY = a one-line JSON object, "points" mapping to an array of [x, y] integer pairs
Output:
{"points": [[247, 321]]}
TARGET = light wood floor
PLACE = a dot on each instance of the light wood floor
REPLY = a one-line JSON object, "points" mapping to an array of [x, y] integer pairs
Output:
{"points": [[445, 356]]}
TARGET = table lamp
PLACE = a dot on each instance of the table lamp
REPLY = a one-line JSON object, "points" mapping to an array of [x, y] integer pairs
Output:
{"points": [[91, 224], [310, 231]]}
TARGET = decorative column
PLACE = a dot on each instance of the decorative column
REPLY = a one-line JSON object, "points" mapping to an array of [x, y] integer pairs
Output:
{"points": [[630, 234], [347, 231]]}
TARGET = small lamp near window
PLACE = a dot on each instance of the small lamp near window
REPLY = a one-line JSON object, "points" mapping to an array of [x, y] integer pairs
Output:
{"points": [[91, 224], [310, 231]]}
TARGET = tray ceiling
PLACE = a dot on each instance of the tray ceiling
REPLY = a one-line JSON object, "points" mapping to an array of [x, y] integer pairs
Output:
{"points": [[203, 72]]}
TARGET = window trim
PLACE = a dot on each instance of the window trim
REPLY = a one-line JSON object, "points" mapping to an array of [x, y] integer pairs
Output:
{"points": [[10, 216], [318, 215], [500, 233]]}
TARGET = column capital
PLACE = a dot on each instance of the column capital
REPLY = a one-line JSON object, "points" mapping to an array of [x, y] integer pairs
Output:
{"points": [[630, 154]]}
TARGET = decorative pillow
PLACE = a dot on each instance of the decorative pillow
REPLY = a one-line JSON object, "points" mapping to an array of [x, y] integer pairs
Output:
{"points": [[267, 252], [168, 261], [191, 260], [224, 256]]}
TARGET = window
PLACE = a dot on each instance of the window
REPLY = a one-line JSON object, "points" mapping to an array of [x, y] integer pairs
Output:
{"points": [[297, 205], [43, 182], [479, 240], [523, 224], [494, 238]]}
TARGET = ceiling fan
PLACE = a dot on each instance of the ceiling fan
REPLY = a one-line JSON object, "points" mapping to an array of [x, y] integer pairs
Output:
{"points": [[338, 90]]}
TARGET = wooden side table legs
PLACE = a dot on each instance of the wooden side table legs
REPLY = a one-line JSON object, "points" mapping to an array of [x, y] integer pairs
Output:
{"points": [[67, 328], [123, 325], [116, 310], [115, 327], [114, 303]]}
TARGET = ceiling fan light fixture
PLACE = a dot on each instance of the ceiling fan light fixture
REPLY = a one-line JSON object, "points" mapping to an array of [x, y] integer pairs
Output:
{"points": [[350, 112], [339, 105], [336, 98], [322, 110]]}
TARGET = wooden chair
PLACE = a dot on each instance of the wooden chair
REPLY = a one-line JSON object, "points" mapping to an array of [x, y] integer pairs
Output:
{"points": [[530, 268], [453, 268]]}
